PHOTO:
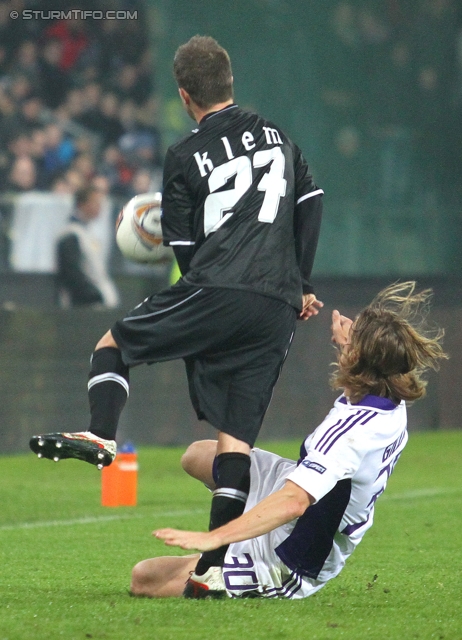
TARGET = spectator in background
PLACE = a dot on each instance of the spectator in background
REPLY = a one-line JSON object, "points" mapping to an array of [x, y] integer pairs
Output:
{"points": [[85, 165], [59, 151], [124, 84], [91, 117], [391, 126], [29, 115], [73, 36], [11, 31], [7, 115], [456, 144], [82, 276], [131, 83], [72, 108], [140, 143], [23, 175], [54, 82], [26, 63], [434, 36], [342, 90], [111, 127], [101, 183], [20, 88], [121, 42], [128, 116], [110, 53], [74, 180], [37, 141], [348, 166], [143, 181], [110, 163], [117, 170], [19, 145], [61, 186], [145, 76], [3, 60]]}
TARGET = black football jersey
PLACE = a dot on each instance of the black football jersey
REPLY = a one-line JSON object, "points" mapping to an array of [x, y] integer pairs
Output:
{"points": [[239, 193]]}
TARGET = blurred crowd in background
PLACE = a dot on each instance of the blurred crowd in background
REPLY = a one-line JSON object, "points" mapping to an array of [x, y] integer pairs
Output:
{"points": [[391, 91], [378, 84], [77, 102]]}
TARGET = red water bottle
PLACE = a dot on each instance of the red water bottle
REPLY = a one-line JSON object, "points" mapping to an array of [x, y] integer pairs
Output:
{"points": [[119, 481]]}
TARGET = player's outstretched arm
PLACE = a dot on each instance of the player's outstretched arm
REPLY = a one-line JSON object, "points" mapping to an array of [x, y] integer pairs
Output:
{"points": [[280, 507]]}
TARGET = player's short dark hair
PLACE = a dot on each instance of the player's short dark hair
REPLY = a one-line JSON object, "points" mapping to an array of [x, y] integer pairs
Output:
{"points": [[203, 68], [390, 347], [83, 195]]}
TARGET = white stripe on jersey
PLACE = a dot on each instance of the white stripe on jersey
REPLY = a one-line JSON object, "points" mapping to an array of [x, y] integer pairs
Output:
{"points": [[181, 242], [310, 195], [331, 435]]}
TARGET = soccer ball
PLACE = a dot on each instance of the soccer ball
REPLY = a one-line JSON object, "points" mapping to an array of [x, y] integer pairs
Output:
{"points": [[139, 232]]}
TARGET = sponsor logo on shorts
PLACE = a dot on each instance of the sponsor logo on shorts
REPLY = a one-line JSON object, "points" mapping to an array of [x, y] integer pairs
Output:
{"points": [[313, 465]]}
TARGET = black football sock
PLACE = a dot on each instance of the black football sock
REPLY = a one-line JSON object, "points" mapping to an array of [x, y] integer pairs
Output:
{"points": [[228, 502], [107, 391]]}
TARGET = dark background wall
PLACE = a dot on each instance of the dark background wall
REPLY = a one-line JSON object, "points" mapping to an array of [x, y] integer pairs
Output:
{"points": [[44, 358], [371, 91]]}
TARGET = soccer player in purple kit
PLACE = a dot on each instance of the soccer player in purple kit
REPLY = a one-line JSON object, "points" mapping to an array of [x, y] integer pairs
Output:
{"points": [[242, 213], [304, 519]]}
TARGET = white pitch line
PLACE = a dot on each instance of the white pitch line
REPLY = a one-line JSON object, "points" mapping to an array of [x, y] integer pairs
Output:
{"points": [[406, 495], [97, 519]]}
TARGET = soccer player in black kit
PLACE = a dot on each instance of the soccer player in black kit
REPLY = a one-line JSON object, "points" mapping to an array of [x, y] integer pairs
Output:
{"points": [[242, 213]]}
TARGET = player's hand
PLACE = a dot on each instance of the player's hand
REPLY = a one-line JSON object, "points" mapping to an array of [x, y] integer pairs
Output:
{"points": [[311, 306], [187, 539], [341, 326]]}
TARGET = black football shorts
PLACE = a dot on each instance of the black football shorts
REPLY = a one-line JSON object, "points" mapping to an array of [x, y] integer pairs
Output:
{"points": [[234, 343]]}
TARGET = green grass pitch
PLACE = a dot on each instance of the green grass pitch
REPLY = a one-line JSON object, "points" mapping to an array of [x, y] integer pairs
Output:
{"points": [[66, 561]]}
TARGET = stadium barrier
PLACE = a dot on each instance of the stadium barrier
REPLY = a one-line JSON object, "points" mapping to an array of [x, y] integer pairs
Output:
{"points": [[35, 221], [45, 359]]}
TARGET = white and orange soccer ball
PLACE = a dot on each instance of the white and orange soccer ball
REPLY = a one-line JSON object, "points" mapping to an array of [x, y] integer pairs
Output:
{"points": [[139, 231]]}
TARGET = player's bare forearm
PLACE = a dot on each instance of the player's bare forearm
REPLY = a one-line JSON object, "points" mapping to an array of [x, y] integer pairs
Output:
{"points": [[272, 512], [311, 306]]}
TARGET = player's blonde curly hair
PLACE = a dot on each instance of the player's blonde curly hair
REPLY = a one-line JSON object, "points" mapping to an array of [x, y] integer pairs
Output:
{"points": [[390, 347]]}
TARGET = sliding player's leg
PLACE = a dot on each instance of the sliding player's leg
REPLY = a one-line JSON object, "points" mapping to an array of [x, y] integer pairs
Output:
{"points": [[163, 577], [231, 477]]}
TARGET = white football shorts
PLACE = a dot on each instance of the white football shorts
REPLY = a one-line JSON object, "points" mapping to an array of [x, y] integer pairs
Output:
{"points": [[252, 567]]}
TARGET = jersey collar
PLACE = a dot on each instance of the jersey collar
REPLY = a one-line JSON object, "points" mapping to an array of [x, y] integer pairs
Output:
{"points": [[216, 113], [374, 402]]}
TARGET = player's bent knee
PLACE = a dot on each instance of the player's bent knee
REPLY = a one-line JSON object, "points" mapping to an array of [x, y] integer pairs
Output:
{"points": [[107, 341], [198, 456], [188, 458], [141, 581]]}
